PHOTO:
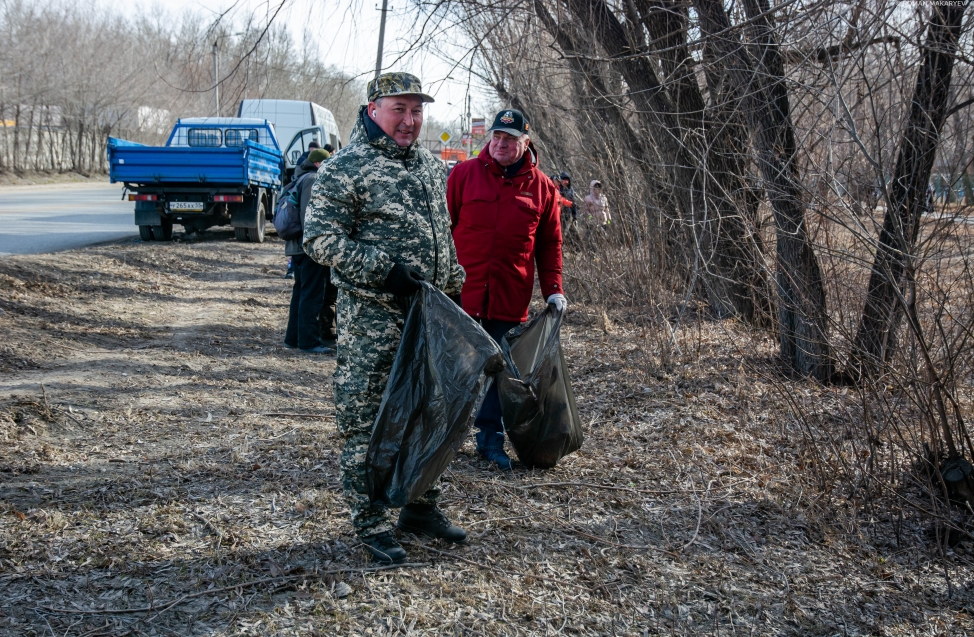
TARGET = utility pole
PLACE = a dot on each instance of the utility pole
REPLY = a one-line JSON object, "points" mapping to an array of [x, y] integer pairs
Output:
{"points": [[469, 129], [216, 71], [382, 35], [469, 117], [216, 80]]}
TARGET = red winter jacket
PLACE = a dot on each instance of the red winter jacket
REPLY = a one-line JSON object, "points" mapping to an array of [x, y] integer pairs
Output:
{"points": [[501, 227]]}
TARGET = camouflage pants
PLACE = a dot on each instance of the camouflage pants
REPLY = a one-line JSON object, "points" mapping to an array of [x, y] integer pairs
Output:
{"points": [[369, 332]]}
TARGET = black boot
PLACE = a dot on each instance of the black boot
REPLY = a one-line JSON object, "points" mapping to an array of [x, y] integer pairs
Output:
{"points": [[426, 519], [384, 548]]}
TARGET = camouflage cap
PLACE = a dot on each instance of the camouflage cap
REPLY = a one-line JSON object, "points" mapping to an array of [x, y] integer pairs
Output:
{"points": [[396, 84]]}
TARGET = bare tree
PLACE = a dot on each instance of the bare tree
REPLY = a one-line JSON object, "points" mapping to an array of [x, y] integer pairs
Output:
{"points": [[906, 194], [78, 74]]}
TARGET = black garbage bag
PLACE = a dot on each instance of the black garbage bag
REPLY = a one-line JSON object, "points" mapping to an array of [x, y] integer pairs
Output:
{"points": [[536, 397], [438, 381]]}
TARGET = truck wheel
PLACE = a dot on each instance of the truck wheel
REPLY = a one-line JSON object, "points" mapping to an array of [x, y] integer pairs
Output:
{"points": [[145, 232], [256, 235], [240, 234], [163, 232]]}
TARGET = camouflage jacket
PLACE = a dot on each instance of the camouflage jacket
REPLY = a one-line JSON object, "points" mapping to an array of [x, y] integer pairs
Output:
{"points": [[375, 204]]}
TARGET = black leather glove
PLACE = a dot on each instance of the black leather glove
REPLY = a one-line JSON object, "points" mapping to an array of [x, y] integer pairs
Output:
{"points": [[402, 281]]}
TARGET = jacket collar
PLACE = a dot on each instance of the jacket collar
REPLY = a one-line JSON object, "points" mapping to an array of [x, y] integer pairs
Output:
{"points": [[498, 170], [368, 132]]}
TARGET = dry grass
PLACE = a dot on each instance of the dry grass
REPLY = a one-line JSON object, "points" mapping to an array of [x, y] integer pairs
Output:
{"points": [[168, 468], [36, 178]]}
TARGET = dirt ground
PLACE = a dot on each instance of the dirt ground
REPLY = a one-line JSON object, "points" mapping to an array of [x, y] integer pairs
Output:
{"points": [[167, 467]]}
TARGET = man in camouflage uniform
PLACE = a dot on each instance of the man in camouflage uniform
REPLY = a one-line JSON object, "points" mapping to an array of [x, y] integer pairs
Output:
{"points": [[378, 218]]}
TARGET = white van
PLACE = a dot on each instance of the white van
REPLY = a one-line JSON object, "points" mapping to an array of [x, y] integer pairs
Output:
{"points": [[296, 124]]}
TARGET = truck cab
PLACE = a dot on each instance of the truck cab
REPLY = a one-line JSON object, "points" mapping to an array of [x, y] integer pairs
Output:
{"points": [[221, 132], [297, 124]]}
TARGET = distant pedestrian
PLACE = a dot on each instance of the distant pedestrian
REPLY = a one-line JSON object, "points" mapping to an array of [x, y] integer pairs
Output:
{"points": [[569, 209], [307, 295], [597, 206]]}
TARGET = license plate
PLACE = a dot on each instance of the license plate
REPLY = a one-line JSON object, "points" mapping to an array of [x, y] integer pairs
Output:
{"points": [[190, 206]]}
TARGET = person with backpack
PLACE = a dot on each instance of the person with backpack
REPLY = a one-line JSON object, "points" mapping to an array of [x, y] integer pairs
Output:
{"points": [[310, 277], [304, 156]]}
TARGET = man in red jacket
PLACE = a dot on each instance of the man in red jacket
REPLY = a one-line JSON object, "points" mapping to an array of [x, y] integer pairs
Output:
{"points": [[505, 219]]}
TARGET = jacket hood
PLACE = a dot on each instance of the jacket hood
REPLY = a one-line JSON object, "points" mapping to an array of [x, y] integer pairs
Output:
{"points": [[305, 167], [379, 140], [489, 161]]}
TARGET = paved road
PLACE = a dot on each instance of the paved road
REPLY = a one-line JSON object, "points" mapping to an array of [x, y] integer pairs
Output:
{"points": [[37, 219]]}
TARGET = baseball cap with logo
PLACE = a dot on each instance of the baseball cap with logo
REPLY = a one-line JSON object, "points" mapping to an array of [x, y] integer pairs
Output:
{"points": [[511, 121], [389, 84]]}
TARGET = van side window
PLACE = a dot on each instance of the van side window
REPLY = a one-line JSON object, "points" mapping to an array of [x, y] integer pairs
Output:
{"points": [[206, 137], [299, 144], [237, 136]]}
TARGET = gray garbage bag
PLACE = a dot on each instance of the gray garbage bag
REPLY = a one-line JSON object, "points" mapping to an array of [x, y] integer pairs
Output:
{"points": [[536, 397], [437, 383]]}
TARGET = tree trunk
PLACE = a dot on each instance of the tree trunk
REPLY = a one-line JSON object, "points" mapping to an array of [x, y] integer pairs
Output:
{"points": [[30, 135], [883, 311], [725, 232], [4, 161], [593, 87], [79, 149], [801, 294], [728, 291], [15, 163]]}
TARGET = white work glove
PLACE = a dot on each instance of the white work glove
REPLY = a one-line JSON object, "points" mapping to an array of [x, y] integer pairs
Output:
{"points": [[559, 301]]}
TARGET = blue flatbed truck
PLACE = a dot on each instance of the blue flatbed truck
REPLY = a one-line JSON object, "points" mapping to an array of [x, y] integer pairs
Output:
{"points": [[212, 171]]}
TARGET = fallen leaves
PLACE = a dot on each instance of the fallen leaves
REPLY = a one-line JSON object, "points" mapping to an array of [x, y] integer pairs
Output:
{"points": [[200, 493]]}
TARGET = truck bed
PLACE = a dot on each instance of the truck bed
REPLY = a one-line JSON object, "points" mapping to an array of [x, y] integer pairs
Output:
{"points": [[251, 164]]}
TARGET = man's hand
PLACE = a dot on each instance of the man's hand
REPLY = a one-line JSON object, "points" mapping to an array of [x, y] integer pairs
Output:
{"points": [[559, 301], [402, 281]]}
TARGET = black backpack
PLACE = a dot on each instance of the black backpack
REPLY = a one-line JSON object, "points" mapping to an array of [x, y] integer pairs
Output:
{"points": [[287, 217]]}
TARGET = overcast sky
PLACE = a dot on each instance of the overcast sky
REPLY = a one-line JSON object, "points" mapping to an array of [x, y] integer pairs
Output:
{"points": [[346, 34]]}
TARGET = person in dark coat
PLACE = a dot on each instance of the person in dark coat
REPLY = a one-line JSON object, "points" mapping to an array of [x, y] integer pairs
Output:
{"points": [[569, 207], [304, 156], [310, 277]]}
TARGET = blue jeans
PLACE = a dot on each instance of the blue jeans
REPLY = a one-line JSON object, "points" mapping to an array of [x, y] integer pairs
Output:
{"points": [[489, 418]]}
